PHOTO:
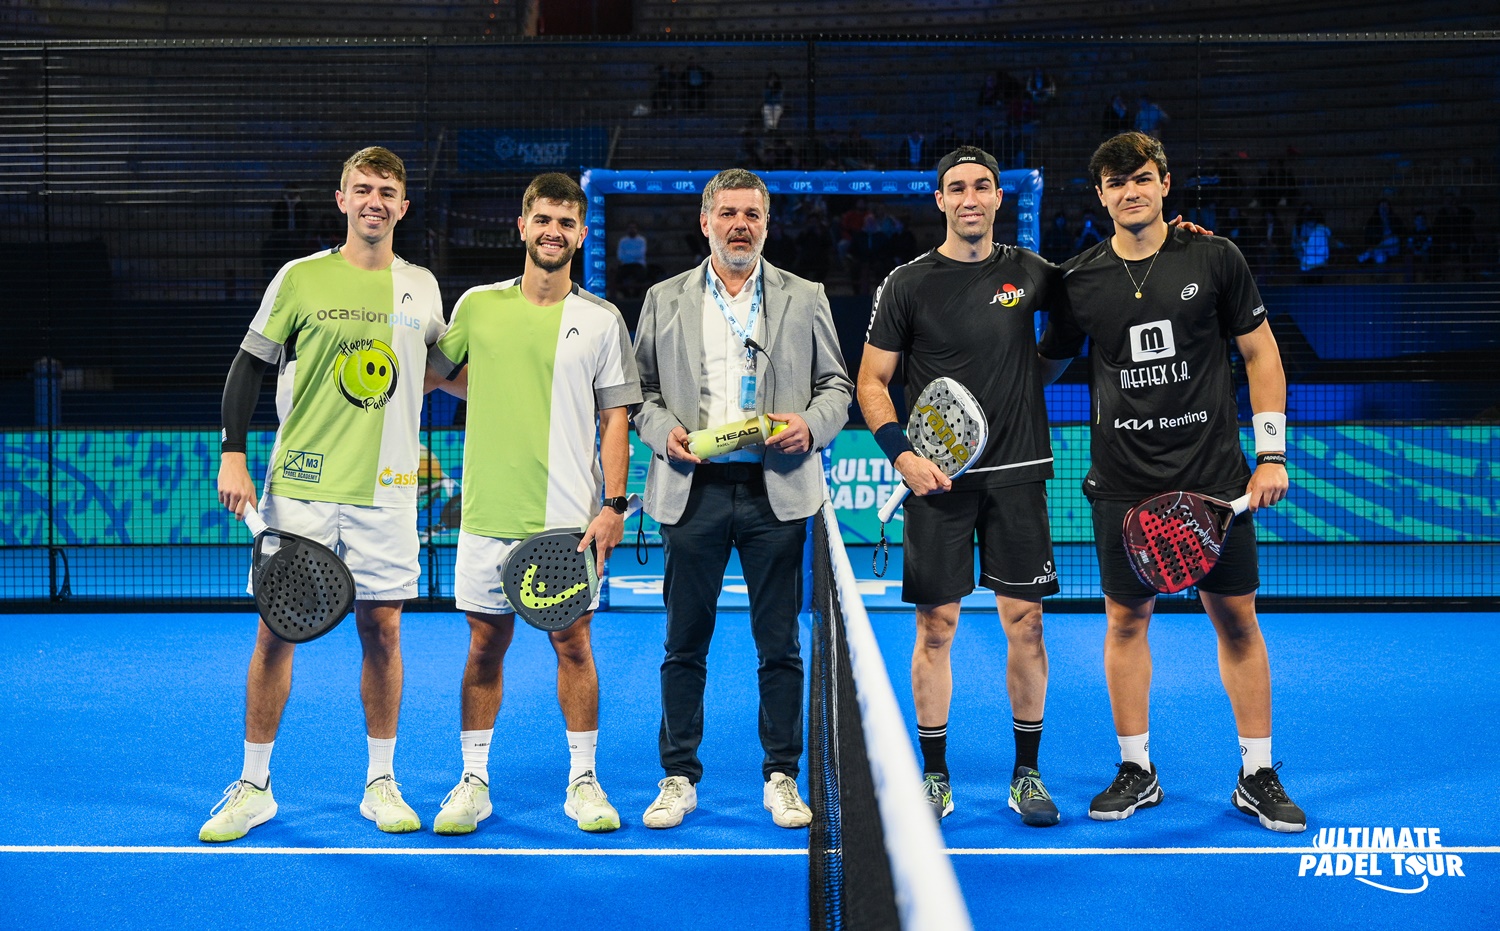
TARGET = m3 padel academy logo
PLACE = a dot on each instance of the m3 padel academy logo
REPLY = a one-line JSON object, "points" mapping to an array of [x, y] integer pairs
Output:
{"points": [[1404, 860], [366, 373]]}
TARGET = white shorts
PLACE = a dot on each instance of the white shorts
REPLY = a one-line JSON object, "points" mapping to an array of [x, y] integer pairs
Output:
{"points": [[378, 544], [477, 574]]}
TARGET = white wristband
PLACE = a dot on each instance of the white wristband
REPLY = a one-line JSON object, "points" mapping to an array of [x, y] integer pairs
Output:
{"points": [[1270, 433]]}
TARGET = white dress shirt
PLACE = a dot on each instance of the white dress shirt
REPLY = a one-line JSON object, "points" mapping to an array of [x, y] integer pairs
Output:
{"points": [[724, 358]]}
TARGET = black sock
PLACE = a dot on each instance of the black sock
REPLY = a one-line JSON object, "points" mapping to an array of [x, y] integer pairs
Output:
{"points": [[934, 741], [1028, 742]]}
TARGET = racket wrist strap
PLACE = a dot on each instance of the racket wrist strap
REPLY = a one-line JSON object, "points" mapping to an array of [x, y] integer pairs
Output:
{"points": [[1276, 458], [892, 441], [1270, 433]]}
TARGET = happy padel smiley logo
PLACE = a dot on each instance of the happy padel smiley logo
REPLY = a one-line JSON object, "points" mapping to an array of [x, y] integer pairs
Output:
{"points": [[366, 373], [1008, 295], [1404, 860], [534, 594]]}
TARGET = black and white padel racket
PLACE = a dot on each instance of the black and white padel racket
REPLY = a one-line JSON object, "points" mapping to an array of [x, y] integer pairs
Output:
{"points": [[302, 589], [947, 426]]}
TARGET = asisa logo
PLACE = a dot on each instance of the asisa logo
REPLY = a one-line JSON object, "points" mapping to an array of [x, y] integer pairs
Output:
{"points": [[1403, 860], [390, 477], [1008, 295]]}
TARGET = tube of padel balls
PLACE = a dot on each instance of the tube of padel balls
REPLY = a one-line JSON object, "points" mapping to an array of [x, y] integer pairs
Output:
{"points": [[717, 441]]}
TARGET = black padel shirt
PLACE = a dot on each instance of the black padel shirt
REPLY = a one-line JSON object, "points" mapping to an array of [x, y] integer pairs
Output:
{"points": [[1164, 413], [975, 322]]}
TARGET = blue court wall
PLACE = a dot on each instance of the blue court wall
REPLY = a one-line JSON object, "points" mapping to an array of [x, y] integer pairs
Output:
{"points": [[1350, 483]]}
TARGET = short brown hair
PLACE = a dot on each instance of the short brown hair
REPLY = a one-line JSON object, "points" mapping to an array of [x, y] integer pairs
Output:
{"points": [[734, 179], [554, 186], [377, 160], [1125, 153]]}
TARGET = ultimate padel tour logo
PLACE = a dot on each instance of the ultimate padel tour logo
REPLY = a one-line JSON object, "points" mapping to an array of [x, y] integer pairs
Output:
{"points": [[366, 373], [1404, 860], [1008, 295]]}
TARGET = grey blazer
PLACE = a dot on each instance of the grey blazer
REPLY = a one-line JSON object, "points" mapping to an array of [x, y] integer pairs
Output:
{"points": [[808, 378]]}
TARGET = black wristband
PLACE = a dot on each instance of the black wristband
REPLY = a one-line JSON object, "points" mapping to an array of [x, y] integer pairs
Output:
{"points": [[1277, 458], [892, 441]]}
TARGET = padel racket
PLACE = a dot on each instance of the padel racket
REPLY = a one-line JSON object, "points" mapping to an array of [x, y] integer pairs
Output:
{"points": [[302, 589], [549, 581], [947, 426], [1174, 539]]}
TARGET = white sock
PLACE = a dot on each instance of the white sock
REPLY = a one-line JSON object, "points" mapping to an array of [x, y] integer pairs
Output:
{"points": [[1136, 750], [257, 769], [476, 749], [1255, 753], [382, 752], [581, 747]]}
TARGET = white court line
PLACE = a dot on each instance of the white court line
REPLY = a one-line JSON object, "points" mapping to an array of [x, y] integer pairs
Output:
{"points": [[1176, 851], [701, 851], [433, 852]]}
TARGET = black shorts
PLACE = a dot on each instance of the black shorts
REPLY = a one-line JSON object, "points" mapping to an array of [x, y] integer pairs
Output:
{"points": [[1236, 573], [1015, 544]]}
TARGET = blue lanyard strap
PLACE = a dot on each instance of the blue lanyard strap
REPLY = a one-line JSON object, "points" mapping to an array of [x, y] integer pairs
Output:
{"points": [[755, 301]]}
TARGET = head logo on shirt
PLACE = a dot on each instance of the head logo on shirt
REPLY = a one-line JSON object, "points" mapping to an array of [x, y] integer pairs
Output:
{"points": [[1008, 295], [366, 373], [1150, 341]]}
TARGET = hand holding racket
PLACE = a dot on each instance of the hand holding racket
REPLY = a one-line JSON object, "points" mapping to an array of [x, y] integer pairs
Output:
{"points": [[1174, 539], [302, 589], [551, 578], [946, 427]]}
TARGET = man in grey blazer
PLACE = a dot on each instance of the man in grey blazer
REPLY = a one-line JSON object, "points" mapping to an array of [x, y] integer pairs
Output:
{"points": [[727, 340]]}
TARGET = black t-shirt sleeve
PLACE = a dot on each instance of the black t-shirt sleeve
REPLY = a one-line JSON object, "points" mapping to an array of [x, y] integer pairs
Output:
{"points": [[890, 316], [1063, 338], [1241, 309]]}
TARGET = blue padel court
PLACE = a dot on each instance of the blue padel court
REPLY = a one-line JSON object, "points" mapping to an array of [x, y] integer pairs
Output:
{"points": [[124, 728]]}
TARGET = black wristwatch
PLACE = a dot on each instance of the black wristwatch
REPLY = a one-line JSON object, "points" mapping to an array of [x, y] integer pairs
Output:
{"points": [[619, 504]]}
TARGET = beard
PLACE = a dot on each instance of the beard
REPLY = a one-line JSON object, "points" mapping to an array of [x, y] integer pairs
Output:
{"points": [[739, 261], [549, 265]]}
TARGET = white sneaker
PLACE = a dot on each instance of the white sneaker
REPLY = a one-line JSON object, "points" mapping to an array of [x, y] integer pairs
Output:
{"points": [[384, 805], [243, 807], [467, 804], [677, 798], [587, 804], [783, 802]]}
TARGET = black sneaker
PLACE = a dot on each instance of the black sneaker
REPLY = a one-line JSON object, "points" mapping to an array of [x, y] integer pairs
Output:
{"points": [[938, 793], [1029, 799], [1260, 794], [1133, 788]]}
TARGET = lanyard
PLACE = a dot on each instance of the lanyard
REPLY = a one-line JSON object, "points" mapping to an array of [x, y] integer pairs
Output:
{"points": [[755, 300]]}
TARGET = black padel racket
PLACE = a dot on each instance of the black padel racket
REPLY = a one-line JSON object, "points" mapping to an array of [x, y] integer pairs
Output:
{"points": [[947, 426], [549, 581], [1174, 539], [302, 589]]}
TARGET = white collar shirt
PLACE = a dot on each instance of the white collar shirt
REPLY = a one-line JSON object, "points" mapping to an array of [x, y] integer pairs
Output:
{"points": [[724, 357]]}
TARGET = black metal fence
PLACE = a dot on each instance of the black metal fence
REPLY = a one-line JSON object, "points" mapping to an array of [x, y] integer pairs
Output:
{"points": [[148, 190]]}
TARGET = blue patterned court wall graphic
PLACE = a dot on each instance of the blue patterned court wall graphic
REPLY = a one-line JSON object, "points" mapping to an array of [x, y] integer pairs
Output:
{"points": [[1350, 484]]}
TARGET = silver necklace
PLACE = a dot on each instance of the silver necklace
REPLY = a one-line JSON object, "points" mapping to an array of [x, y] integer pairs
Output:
{"points": [[1142, 283]]}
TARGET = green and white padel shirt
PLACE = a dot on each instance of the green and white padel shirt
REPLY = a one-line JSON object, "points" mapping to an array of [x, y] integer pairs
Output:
{"points": [[352, 349], [538, 377]]}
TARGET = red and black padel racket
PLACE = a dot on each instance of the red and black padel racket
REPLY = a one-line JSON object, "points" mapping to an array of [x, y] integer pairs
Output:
{"points": [[1173, 539]]}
